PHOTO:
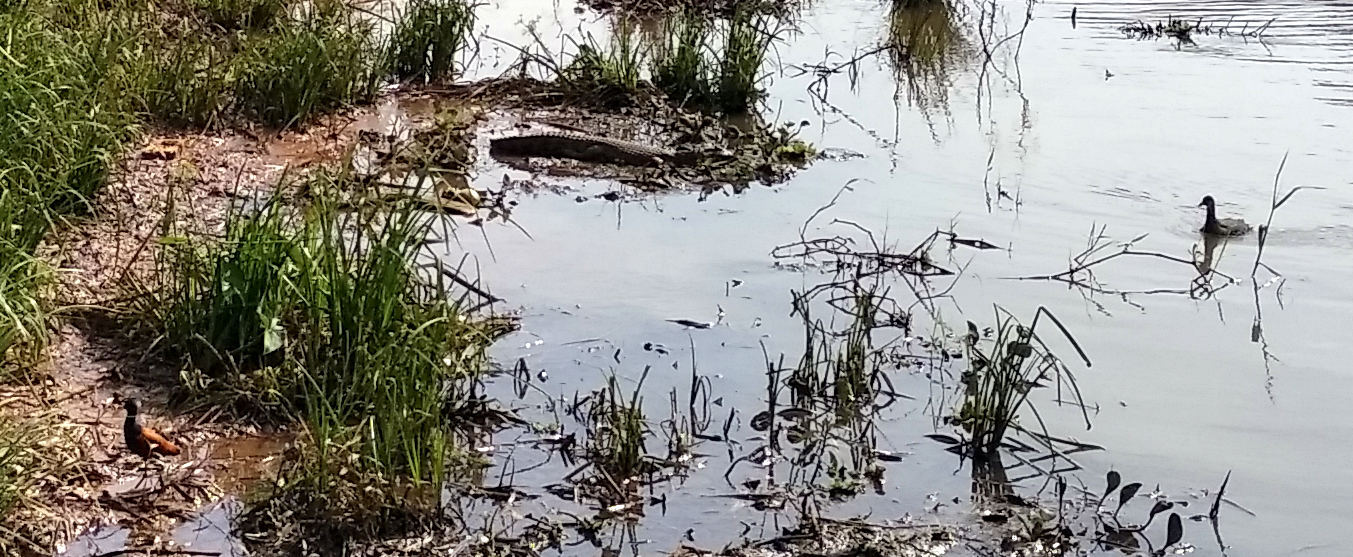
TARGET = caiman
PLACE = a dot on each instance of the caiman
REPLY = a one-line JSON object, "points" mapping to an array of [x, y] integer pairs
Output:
{"points": [[582, 147]]}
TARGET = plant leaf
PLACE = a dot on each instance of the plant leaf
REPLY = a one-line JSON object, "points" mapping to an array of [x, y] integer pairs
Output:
{"points": [[1160, 507], [1295, 190], [946, 439], [1126, 494], [1113, 479], [1175, 532], [761, 421]]}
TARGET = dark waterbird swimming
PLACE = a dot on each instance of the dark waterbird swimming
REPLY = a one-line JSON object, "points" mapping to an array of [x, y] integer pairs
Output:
{"points": [[1221, 227]]}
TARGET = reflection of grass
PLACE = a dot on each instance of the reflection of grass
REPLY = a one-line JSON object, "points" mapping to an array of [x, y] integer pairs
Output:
{"points": [[924, 44]]}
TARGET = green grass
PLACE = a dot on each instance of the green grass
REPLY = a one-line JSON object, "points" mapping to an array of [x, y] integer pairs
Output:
{"points": [[66, 115], [615, 440], [80, 77], [428, 39], [303, 69], [1001, 374], [680, 67], [232, 15], [714, 65], [611, 73], [746, 45], [18, 477], [23, 311], [191, 84], [322, 315]]}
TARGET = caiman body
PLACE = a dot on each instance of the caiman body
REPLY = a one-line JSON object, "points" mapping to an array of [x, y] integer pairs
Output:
{"points": [[582, 147]]}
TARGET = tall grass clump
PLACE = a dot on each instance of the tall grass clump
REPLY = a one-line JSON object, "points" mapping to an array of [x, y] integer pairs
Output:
{"points": [[18, 477], [680, 67], [322, 62], [191, 83], [747, 42], [68, 88], [615, 441], [343, 332], [1002, 372], [23, 312], [427, 40], [612, 72], [234, 15], [222, 303], [711, 64]]}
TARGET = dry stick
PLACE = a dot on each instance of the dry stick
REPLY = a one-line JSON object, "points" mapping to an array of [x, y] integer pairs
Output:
{"points": [[149, 551]]}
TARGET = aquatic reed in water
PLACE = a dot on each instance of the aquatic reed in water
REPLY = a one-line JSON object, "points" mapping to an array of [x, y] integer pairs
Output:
{"points": [[1001, 374], [680, 68], [617, 431]]}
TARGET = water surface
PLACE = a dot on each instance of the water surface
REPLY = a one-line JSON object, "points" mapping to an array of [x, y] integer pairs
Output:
{"points": [[1183, 393]]}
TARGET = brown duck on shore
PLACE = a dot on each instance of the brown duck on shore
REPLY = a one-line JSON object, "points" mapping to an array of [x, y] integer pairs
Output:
{"points": [[1221, 227], [141, 440]]}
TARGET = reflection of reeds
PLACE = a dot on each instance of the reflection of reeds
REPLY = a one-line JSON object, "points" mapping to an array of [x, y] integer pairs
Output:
{"points": [[924, 44]]}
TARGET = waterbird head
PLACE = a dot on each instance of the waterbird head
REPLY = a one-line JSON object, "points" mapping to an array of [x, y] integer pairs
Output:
{"points": [[131, 405], [1207, 202]]}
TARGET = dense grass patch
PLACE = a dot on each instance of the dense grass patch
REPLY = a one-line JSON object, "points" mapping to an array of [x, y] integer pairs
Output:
{"points": [[306, 68], [191, 84], [325, 316], [427, 40], [18, 476], [23, 315], [612, 72], [64, 116], [679, 64], [714, 64], [242, 14]]}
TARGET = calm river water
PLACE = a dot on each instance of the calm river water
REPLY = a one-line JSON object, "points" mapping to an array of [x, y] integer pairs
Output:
{"points": [[1184, 394]]}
